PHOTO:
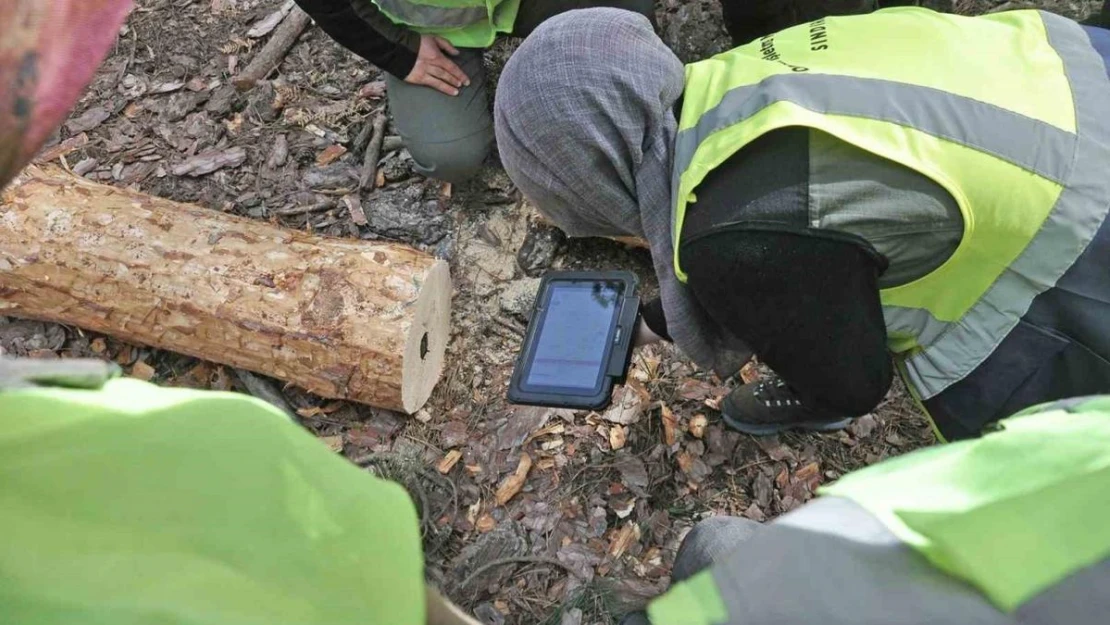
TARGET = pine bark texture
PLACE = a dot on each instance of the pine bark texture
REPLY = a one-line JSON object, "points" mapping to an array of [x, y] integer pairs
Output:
{"points": [[346, 319]]}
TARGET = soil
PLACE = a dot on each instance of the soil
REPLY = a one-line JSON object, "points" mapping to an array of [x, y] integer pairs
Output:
{"points": [[609, 496]]}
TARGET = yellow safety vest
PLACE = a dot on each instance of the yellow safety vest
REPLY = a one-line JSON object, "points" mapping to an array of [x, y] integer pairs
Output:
{"points": [[465, 23], [1009, 112]]}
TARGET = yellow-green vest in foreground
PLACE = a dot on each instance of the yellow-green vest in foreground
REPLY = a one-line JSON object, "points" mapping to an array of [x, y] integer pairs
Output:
{"points": [[465, 23], [1006, 529], [1007, 112], [134, 505]]}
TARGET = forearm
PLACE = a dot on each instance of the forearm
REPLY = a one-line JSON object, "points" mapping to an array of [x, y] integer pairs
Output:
{"points": [[653, 324], [360, 27]]}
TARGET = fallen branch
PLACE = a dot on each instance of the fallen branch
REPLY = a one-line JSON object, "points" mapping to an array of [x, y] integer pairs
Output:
{"points": [[275, 49], [373, 153]]}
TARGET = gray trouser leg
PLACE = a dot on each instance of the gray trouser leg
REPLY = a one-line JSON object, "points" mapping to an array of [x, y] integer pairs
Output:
{"points": [[448, 136], [709, 541]]}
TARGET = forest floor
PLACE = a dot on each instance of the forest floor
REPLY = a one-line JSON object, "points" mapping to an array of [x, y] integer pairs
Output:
{"points": [[609, 495]]}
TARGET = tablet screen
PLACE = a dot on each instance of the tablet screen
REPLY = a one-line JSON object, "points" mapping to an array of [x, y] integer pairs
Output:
{"points": [[572, 345]]}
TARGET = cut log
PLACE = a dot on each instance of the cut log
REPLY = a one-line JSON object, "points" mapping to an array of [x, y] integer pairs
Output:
{"points": [[345, 319]]}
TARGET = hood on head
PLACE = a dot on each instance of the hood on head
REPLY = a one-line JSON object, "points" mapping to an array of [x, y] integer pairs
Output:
{"points": [[579, 107]]}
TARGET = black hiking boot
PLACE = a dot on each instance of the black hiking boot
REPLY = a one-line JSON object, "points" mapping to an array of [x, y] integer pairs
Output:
{"points": [[770, 407]]}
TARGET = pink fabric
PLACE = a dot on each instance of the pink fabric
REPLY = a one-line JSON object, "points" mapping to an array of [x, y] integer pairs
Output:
{"points": [[49, 50]]}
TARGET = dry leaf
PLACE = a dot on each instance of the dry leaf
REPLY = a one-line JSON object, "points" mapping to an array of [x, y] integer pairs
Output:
{"points": [[553, 428], [449, 461], [142, 371], [695, 390], [685, 461], [618, 436], [334, 443], [623, 539], [670, 426], [423, 416], [750, 373], [512, 484], [234, 124], [472, 512], [501, 606], [485, 523], [546, 464], [863, 426], [755, 513], [554, 443], [626, 407], [697, 425], [782, 478], [309, 412], [328, 155], [622, 505], [808, 472]]}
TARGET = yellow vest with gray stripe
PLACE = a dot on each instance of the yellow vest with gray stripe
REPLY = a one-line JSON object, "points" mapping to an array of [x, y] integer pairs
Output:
{"points": [[465, 23], [1008, 112], [1007, 529]]}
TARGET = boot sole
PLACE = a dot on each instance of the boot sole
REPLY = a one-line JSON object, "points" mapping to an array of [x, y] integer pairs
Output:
{"points": [[767, 429]]}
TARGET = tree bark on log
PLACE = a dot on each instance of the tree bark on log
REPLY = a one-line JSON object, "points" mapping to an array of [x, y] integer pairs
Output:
{"points": [[345, 319]]}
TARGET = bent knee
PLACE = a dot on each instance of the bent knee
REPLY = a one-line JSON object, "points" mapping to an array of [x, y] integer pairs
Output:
{"points": [[453, 161]]}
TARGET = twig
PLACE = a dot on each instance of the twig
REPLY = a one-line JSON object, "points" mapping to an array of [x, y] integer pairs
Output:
{"points": [[509, 325], [373, 152], [305, 209], [363, 136], [526, 559], [130, 58], [275, 49], [266, 392]]}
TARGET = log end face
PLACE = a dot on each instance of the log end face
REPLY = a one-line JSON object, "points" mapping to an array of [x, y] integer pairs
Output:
{"points": [[426, 343]]}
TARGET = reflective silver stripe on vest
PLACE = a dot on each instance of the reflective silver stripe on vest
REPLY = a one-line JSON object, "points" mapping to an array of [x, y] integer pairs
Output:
{"points": [[1073, 222], [428, 16], [1074, 160], [832, 562]]}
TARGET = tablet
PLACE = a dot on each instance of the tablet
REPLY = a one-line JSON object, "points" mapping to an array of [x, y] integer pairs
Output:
{"points": [[579, 340]]}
